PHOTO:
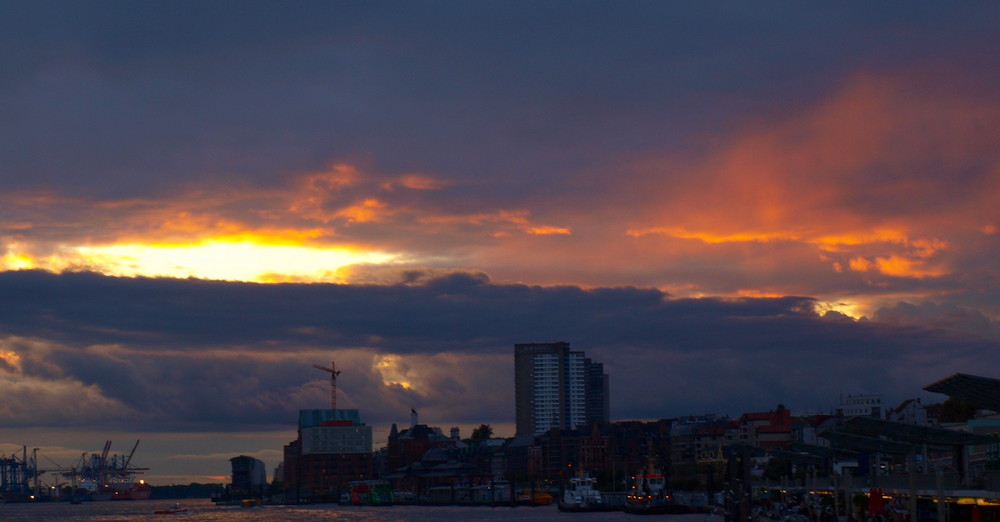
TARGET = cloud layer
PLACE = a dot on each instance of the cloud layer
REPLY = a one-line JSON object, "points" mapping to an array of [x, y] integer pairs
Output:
{"points": [[187, 354]]}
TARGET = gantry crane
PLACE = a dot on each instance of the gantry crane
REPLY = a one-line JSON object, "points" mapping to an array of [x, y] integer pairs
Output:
{"points": [[333, 381]]}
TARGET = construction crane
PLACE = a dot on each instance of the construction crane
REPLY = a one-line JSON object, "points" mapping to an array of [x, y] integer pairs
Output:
{"points": [[333, 381]]}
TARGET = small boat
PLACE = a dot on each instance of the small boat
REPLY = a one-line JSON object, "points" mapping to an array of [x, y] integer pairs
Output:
{"points": [[534, 497], [176, 509], [582, 495], [371, 493]]}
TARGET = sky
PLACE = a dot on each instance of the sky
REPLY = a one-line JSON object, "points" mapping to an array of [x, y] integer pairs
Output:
{"points": [[731, 205]]}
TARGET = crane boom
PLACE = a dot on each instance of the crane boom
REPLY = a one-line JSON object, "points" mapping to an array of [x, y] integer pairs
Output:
{"points": [[333, 381], [107, 448], [129, 459]]}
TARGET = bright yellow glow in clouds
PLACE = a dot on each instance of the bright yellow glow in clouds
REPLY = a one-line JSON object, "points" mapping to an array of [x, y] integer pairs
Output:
{"points": [[15, 261], [11, 359], [388, 366], [854, 310], [240, 261]]}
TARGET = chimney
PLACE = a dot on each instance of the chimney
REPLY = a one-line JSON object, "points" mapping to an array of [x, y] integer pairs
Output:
{"points": [[413, 418], [454, 433]]}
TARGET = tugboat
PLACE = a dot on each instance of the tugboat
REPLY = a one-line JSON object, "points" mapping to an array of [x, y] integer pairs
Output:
{"points": [[581, 495], [649, 495], [534, 497]]}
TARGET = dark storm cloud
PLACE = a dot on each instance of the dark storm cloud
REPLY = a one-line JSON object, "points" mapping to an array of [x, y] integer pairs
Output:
{"points": [[939, 316], [188, 353], [464, 311], [132, 98]]}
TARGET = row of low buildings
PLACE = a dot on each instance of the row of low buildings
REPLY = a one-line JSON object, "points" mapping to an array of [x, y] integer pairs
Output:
{"points": [[563, 428], [334, 449]]}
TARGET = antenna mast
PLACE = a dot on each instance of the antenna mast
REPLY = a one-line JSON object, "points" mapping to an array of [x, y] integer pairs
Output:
{"points": [[333, 381]]}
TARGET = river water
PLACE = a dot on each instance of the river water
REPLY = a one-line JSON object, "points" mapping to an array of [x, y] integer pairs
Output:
{"points": [[204, 510]]}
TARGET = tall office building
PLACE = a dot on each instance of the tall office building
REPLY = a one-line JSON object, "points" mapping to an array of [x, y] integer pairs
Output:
{"points": [[555, 387], [598, 397]]}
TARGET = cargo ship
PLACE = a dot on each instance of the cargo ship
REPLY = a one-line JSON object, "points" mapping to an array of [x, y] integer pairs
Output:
{"points": [[137, 491], [92, 477], [109, 477]]}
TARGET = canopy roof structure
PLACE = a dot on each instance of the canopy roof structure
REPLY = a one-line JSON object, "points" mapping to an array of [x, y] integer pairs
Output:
{"points": [[911, 433], [805, 458], [897, 438], [983, 392], [863, 443], [811, 454], [823, 451]]}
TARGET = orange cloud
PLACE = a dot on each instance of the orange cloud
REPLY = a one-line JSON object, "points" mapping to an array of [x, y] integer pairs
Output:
{"points": [[340, 175], [868, 178], [315, 191], [710, 237], [549, 230], [193, 229], [897, 266], [860, 264], [757, 293], [417, 182], [367, 211], [837, 242], [520, 219], [474, 219]]}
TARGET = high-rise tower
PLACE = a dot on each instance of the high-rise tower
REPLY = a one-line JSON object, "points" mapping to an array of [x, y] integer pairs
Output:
{"points": [[555, 387]]}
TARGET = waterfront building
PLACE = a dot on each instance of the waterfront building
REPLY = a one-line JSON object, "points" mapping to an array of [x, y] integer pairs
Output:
{"points": [[861, 405], [555, 387], [689, 443], [333, 448], [766, 429], [910, 411], [708, 443], [421, 460], [560, 453], [249, 476], [409, 445], [808, 433], [748, 423], [633, 444], [519, 458]]}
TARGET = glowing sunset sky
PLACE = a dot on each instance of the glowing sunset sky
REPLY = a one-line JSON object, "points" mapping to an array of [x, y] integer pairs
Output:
{"points": [[200, 201]]}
